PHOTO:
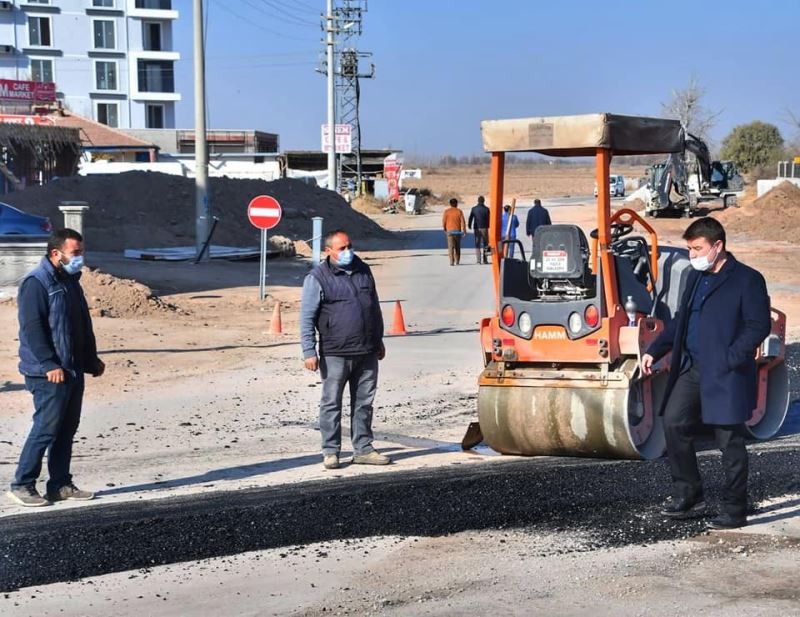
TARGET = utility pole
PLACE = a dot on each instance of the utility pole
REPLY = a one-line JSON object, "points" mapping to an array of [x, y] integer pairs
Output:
{"points": [[202, 207], [331, 98]]}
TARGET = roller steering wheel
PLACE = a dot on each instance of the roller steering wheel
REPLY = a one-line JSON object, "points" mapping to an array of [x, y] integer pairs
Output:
{"points": [[618, 230]]}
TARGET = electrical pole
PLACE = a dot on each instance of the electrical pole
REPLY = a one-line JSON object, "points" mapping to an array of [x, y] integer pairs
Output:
{"points": [[202, 207], [331, 98]]}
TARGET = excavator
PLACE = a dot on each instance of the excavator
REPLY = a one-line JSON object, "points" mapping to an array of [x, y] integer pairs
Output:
{"points": [[679, 186], [572, 319]]}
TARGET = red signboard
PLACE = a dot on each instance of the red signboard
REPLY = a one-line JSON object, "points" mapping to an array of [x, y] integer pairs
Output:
{"points": [[27, 91], [392, 165], [14, 119], [264, 212]]}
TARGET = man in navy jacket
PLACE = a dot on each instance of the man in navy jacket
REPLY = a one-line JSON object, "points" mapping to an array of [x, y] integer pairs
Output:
{"points": [[724, 316], [56, 348]]}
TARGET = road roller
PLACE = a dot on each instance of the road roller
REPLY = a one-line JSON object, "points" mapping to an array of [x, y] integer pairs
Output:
{"points": [[574, 316]]}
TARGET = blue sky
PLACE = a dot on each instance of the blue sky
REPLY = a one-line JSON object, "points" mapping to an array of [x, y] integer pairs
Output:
{"points": [[442, 66]]}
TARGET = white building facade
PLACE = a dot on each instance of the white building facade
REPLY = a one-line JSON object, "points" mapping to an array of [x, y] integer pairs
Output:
{"points": [[111, 60]]}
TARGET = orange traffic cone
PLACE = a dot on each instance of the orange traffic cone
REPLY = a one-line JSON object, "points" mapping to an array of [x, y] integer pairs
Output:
{"points": [[399, 325], [275, 323]]}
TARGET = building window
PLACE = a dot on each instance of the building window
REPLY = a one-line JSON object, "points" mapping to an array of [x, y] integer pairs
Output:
{"points": [[39, 31], [108, 114], [106, 75], [160, 5], [155, 117], [151, 34], [103, 4], [41, 70], [156, 76], [104, 34], [37, 2]]}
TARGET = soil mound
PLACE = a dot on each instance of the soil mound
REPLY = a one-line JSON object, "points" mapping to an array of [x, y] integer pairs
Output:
{"points": [[109, 296], [140, 209], [773, 216]]}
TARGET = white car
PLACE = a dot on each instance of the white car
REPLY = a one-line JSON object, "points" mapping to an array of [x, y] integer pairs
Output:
{"points": [[616, 186]]}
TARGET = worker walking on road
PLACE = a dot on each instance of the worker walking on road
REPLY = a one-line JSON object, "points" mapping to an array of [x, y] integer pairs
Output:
{"points": [[454, 228], [479, 224], [56, 347], [537, 216], [724, 316], [509, 233], [340, 302]]}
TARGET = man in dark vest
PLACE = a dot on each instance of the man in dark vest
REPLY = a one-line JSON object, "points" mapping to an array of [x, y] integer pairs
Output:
{"points": [[56, 347], [340, 303], [723, 317]]}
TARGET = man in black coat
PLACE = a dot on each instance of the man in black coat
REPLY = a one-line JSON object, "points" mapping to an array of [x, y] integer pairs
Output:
{"points": [[537, 216], [479, 224], [724, 316]]}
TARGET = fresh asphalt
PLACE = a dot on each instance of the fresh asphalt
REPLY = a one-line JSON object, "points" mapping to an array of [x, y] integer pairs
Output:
{"points": [[609, 503]]}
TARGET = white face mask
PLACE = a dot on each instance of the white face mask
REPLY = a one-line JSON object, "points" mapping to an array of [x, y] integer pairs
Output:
{"points": [[705, 262]]}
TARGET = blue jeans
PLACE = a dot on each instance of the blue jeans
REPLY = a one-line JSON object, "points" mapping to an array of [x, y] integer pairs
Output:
{"points": [[361, 373], [55, 422]]}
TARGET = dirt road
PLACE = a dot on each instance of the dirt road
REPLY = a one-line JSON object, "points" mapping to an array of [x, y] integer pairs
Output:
{"points": [[205, 408]]}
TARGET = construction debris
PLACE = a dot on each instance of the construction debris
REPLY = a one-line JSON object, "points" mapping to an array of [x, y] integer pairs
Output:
{"points": [[774, 216], [150, 209]]}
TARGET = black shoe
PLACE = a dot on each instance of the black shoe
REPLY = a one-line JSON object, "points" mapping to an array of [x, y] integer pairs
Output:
{"points": [[727, 521], [683, 508]]}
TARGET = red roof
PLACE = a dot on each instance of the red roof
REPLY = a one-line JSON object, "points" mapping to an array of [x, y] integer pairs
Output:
{"points": [[96, 135]]}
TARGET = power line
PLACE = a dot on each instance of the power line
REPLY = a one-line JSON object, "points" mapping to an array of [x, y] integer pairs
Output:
{"points": [[308, 6], [293, 11], [289, 15], [292, 21], [257, 25]]}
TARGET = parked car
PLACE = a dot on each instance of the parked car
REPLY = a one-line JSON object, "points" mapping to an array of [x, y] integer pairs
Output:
{"points": [[15, 222], [616, 186]]}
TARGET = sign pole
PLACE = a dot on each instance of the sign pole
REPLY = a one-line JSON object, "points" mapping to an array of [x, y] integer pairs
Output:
{"points": [[262, 271], [264, 213]]}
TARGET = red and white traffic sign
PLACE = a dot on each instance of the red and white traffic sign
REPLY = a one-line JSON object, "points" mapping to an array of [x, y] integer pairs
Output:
{"points": [[264, 212]]}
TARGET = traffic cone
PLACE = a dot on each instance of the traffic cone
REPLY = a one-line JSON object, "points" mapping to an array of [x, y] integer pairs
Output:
{"points": [[399, 325], [275, 322]]}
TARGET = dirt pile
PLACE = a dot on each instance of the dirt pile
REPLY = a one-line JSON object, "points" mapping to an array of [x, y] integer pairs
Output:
{"points": [[151, 210], [109, 296], [773, 216]]}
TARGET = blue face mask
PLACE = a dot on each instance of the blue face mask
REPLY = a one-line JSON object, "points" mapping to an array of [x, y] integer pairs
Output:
{"points": [[345, 258], [74, 265]]}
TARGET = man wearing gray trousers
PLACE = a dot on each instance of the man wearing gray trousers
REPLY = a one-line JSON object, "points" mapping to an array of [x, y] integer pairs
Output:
{"points": [[340, 302]]}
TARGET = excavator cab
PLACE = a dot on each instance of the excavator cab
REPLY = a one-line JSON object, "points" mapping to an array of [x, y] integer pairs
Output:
{"points": [[562, 350]]}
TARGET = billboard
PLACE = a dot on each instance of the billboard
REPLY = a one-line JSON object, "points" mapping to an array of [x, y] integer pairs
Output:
{"points": [[27, 91], [344, 143]]}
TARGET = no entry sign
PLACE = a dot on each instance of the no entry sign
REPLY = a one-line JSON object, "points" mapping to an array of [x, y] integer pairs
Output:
{"points": [[264, 212]]}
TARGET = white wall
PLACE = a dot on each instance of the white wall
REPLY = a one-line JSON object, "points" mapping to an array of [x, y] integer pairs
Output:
{"points": [[764, 186], [269, 170]]}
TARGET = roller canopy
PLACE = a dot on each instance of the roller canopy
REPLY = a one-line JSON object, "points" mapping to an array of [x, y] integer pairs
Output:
{"points": [[582, 135]]}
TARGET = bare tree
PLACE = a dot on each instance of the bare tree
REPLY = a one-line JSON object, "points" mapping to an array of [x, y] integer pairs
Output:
{"points": [[793, 120], [687, 106]]}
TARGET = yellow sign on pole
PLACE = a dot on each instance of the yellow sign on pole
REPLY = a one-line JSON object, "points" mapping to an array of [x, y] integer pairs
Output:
{"points": [[797, 159]]}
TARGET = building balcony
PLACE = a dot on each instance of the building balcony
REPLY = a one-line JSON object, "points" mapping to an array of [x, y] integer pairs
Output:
{"points": [[152, 9], [156, 97], [169, 56]]}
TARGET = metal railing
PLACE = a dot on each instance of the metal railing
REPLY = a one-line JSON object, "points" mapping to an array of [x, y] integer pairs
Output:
{"points": [[789, 169]]}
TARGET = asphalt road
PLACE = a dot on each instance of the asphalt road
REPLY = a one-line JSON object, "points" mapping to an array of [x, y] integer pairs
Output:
{"points": [[613, 503]]}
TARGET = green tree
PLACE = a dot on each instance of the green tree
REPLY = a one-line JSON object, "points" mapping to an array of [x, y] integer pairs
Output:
{"points": [[753, 145]]}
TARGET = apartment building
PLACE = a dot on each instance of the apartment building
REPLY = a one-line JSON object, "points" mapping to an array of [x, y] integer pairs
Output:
{"points": [[111, 60]]}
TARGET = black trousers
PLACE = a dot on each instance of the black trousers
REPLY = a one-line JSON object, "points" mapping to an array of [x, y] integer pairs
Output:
{"points": [[682, 419]]}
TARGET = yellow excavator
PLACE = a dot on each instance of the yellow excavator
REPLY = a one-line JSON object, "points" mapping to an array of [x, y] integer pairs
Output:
{"points": [[573, 318]]}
